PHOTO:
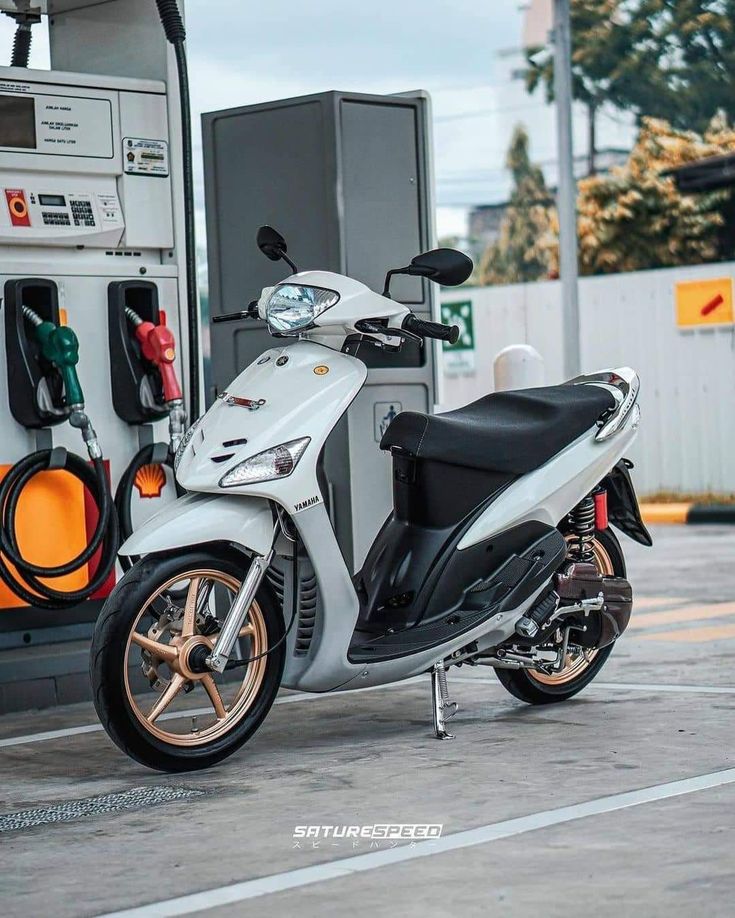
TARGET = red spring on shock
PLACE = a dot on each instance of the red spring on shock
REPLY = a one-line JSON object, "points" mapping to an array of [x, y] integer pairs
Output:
{"points": [[601, 518]]}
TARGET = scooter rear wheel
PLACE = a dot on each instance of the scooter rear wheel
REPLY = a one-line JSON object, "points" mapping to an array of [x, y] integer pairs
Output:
{"points": [[581, 668], [149, 696]]}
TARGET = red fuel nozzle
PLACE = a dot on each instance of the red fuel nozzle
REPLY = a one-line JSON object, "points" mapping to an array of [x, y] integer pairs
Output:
{"points": [[157, 344]]}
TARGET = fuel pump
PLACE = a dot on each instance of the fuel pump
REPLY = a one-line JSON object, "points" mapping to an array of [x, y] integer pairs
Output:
{"points": [[44, 389], [95, 187], [145, 387]]}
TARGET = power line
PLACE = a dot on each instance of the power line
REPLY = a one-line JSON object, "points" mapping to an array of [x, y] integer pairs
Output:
{"points": [[483, 112]]}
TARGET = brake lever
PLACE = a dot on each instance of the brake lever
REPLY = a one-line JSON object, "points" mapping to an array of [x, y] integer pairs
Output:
{"points": [[372, 328]]}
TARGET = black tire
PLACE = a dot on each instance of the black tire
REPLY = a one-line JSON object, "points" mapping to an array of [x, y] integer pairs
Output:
{"points": [[108, 657], [522, 684]]}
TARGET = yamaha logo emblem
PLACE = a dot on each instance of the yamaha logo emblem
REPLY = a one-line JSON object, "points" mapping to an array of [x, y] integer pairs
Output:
{"points": [[303, 504]]}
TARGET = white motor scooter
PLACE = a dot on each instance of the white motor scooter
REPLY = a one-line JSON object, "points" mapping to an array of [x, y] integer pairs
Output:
{"points": [[498, 551]]}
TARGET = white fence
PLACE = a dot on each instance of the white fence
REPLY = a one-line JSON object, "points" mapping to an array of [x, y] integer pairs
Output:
{"points": [[687, 437]]}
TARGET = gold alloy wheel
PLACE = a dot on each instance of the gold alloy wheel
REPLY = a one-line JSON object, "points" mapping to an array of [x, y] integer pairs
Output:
{"points": [[576, 663], [227, 702]]}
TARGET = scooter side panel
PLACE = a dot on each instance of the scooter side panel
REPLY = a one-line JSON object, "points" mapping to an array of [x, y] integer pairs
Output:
{"points": [[306, 388], [195, 519], [326, 666], [549, 493]]}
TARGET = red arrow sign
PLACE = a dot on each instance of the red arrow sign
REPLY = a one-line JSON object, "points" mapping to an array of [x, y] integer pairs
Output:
{"points": [[712, 304]]}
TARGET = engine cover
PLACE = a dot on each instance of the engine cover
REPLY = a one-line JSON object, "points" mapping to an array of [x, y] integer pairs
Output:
{"points": [[581, 580]]}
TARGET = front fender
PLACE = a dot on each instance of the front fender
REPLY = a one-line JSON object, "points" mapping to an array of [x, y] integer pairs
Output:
{"points": [[197, 518]]}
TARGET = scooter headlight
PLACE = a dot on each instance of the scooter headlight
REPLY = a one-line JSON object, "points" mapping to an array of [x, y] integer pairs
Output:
{"points": [[291, 307], [185, 440], [277, 462]]}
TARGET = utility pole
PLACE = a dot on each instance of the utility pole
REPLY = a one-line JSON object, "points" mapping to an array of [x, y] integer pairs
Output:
{"points": [[567, 192]]}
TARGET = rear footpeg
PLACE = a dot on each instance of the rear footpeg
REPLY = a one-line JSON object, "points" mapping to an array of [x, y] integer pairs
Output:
{"points": [[443, 708], [530, 625]]}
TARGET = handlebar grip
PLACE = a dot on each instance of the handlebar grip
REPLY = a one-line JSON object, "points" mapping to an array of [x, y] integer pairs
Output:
{"points": [[436, 330], [251, 312]]}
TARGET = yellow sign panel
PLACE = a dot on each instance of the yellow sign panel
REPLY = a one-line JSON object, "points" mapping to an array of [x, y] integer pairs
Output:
{"points": [[704, 302]]}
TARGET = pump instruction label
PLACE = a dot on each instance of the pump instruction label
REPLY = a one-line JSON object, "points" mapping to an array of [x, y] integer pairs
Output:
{"points": [[145, 157], [34, 122]]}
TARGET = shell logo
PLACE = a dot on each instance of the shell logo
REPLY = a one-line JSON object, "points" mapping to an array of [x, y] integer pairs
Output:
{"points": [[150, 480]]}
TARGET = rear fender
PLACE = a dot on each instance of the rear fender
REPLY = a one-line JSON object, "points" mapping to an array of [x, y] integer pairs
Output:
{"points": [[196, 519], [622, 503]]}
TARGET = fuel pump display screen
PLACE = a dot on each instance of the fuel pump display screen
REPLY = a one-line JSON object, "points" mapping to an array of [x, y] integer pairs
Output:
{"points": [[52, 200], [17, 122]]}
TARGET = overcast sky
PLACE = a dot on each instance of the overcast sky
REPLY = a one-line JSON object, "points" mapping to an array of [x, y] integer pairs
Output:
{"points": [[255, 52], [448, 47]]}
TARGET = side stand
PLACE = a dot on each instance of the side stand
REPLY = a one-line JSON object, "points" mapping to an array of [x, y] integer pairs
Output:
{"points": [[443, 707]]}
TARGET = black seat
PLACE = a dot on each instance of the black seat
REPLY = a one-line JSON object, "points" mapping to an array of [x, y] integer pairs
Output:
{"points": [[513, 432]]}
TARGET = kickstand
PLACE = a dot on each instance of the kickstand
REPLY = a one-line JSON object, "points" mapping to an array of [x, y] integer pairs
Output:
{"points": [[443, 707]]}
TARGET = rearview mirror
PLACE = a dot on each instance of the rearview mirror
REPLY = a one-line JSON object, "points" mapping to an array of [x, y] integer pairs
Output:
{"points": [[272, 244], [443, 266]]}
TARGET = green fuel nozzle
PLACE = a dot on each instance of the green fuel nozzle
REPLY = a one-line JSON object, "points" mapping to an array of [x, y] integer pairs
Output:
{"points": [[60, 346]]}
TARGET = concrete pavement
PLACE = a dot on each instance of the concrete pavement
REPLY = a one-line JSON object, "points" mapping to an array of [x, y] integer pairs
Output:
{"points": [[660, 712]]}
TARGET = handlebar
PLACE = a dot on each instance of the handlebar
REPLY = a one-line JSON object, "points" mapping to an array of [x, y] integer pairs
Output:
{"points": [[436, 330], [251, 312]]}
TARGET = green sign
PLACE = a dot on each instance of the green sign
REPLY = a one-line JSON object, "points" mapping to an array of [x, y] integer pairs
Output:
{"points": [[459, 314]]}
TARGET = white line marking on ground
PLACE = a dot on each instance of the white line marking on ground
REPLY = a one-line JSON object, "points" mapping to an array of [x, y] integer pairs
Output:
{"points": [[194, 712], [310, 696], [654, 687], [624, 686], [306, 876]]}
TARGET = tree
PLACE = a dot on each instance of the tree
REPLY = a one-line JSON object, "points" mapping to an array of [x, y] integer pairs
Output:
{"points": [[687, 48], [668, 59], [522, 251], [632, 219], [635, 218], [598, 45]]}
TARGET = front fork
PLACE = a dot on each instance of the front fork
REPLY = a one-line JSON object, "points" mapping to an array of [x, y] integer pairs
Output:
{"points": [[217, 659]]}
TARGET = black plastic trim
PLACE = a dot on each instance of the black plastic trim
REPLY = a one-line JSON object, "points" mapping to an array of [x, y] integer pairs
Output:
{"points": [[26, 367], [622, 504], [130, 371]]}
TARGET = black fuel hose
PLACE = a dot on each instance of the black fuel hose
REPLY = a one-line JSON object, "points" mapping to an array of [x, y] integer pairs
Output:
{"points": [[173, 26], [105, 535], [21, 53], [147, 455]]}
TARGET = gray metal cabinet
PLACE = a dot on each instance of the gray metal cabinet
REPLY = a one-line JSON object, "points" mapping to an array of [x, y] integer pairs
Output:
{"points": [[345, 178]]}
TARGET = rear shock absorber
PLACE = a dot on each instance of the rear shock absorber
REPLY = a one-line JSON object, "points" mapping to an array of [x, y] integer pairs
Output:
{"points": [[582, 527]]}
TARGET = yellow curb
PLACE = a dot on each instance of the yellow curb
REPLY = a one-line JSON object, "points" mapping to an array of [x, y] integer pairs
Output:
{"points": [[665, 513]]}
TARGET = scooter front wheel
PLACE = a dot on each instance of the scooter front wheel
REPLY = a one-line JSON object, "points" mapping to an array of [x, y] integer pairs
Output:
{"points": [[149, 696]]}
